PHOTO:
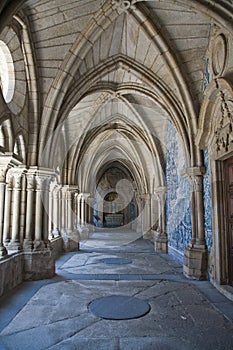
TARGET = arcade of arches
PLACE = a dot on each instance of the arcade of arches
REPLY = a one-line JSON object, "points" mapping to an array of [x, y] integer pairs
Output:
{"points": [[116, 113]]}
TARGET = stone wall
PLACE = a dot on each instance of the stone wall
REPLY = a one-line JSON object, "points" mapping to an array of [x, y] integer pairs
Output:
{"points": [[28, 266], [11, 272]]}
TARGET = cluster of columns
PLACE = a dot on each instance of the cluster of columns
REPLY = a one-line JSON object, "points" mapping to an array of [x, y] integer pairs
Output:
{"points": [[84, 209], [34, 208], [23, 216]]}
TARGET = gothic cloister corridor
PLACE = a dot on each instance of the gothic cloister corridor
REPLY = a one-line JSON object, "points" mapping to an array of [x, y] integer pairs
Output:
{"points": [[54, 314], [116, 174]]}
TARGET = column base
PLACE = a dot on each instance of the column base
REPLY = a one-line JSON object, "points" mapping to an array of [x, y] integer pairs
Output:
{"points": [[39, 265], [38, 245], [160, 242], [14, 246], [28, 245], [3, 251], [148, 235], [195, 263], [71, 240]]}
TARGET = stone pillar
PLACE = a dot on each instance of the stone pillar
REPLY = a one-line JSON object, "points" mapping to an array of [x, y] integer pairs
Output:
{"points": [[70, 224], [195, 254], [29, 229], [160, 235], [7, 209], [50, 229], [15, 243], [63, 210], [83, 211], [70, 234], [78, 210], [3, 170], [146, 216], [56, 197]]}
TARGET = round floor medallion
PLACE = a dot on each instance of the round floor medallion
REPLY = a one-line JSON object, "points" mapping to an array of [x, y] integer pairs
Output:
{"points": [[119, 307], [116, 261]]}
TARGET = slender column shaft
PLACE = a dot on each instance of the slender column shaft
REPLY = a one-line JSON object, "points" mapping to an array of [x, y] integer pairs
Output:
{"points": [[39, 210], [16, 208], [200, 211], [3, 250], [50, 228], [2, 198], [7, 213], [63, 210], [82, 211], [70, 212], [29, 230], [78, 210], [45, 209]]}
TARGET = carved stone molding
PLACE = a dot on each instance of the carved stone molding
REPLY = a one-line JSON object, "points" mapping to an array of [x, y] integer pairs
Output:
{"points": [[124, 5], [3, 171], [30, 182], [224, 125], [219, 54]]}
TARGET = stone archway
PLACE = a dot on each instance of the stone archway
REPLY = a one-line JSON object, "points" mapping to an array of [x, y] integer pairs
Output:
{"points": [[216, 136]]}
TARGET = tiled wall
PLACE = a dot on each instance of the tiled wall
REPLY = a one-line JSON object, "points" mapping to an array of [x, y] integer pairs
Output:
{"points": [[178, 211]]}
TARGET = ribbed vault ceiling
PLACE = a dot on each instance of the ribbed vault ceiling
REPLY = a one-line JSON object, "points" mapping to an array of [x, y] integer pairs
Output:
{"points": [[110, 79]]}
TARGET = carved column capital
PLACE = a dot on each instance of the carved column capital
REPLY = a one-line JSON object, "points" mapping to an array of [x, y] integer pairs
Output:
{"points": [[30, 182], [3, 172]]}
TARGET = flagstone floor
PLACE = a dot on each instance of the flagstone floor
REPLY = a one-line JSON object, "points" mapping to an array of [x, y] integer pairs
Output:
{"points": [[56, 314]]}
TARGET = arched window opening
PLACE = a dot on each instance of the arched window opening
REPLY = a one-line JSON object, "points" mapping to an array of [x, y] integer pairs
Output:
{"points": [[7, 73]]}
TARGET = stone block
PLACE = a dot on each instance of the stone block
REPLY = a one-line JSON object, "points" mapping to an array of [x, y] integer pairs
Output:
{"points": [[195, 263], [11, 268], [39, 265]]}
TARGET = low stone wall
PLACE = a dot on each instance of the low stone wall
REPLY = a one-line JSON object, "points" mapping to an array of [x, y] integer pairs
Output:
{"points": [[11, 272], [16, 268]]}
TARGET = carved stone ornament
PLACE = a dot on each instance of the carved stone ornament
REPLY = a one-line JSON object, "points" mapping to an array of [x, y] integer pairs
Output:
{"points": [[219, 55], [30, 182], [3, 171], [224, 128], [124, 5]]}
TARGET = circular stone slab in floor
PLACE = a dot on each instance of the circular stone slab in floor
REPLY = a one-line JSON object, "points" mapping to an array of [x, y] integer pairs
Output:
{"points": [[119, 307], [116, 261]]}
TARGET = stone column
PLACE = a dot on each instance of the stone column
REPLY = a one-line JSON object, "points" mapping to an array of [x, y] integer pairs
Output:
{"points": [[56, 212], [160, 236], [15, 243], [50, 229], [40, 186], [7, 209], [39, 261], [63, 210], [29, 229], [3, 170], [195, 254], [70, 224], [45, 197], [78, 210], [146, 217]]}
